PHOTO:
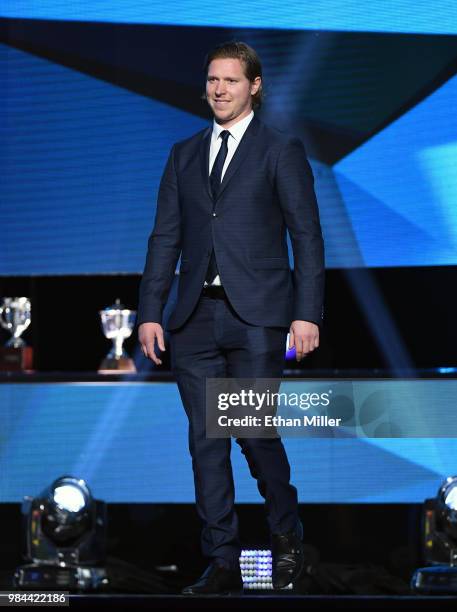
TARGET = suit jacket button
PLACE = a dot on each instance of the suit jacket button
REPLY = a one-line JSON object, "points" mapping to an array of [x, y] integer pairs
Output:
{"points": [[214, 214]]}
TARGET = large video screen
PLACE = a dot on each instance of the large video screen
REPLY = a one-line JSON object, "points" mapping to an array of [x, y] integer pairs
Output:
{"points": [[129, 442], [94, 94]]}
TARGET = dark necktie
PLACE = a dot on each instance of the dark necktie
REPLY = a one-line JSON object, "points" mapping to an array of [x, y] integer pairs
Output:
{"points": [[216, 171], [215, 182]]}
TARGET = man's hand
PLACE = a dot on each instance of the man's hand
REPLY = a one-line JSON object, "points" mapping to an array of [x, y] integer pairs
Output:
{"points": [[148, 333], [304, 335]]}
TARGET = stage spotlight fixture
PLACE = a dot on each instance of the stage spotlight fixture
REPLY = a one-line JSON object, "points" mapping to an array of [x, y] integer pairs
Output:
{"points": [[439, 539], [64, 534]]}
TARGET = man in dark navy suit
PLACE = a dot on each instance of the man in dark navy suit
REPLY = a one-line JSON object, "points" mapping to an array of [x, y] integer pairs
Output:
{"points": [[227, 197]]}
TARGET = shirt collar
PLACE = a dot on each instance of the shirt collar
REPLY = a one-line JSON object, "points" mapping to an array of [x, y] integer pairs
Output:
{"points": [[237, 130]]}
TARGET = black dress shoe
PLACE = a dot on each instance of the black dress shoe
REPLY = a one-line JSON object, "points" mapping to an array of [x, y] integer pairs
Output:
{"points": [[288, 557], [216, 580]]}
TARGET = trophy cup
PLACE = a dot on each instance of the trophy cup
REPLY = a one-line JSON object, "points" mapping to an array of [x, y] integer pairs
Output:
{"points": [[15, 317], [117, 325]]}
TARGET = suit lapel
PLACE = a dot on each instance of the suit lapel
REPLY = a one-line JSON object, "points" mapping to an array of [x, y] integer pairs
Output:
{"points": [[204, 159], [240, 153]]}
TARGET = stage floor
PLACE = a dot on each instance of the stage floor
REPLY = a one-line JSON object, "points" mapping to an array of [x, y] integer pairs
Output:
{"points": [[263, 602]]}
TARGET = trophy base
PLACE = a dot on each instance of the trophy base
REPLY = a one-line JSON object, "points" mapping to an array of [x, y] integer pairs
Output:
{"points": [[14, 359], [111, 365]]}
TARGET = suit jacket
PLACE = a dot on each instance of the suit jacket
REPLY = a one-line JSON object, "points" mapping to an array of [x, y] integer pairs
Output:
{"points": [[267, 188]]}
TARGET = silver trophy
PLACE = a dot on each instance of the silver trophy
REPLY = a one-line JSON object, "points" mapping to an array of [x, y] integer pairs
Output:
{"points": [[15, 317], [117, 324]]}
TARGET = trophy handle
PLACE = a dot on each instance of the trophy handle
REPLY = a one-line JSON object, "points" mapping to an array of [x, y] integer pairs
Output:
{"points": [[3, 322]]}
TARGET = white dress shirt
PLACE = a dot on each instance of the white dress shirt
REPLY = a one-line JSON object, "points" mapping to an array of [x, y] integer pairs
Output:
{"points": [[236, 134]]}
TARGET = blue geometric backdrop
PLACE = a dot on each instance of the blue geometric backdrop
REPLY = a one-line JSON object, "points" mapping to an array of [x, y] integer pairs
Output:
{"points": [[376, 16], [92, 96], [129, 441], [90, 108]]}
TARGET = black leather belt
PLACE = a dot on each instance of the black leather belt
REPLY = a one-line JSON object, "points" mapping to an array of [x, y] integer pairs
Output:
{"points": [[215, 292]]}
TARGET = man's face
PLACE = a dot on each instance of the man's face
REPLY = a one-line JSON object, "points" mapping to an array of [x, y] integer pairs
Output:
{"points": [[229, 91]]}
